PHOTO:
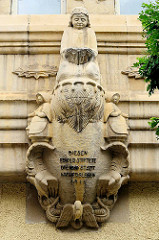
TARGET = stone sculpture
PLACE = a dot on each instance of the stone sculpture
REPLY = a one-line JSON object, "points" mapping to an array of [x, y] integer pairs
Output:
{"points": [[38, 128], [78, 157]]}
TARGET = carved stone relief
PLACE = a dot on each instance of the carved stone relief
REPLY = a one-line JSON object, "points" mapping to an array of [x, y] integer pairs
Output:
{"points": [[132, 72], [78, 157], [36, 71]]}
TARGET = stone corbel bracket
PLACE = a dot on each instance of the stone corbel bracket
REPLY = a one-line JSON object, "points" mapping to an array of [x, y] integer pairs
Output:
{"points": [[36, 71], [132, 72]]}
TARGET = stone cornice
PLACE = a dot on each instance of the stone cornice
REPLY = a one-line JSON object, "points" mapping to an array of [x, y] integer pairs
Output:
{"points": [[39, 34]]}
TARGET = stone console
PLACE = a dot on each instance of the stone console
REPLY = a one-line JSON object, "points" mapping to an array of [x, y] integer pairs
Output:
{"points": [[78, 156]]}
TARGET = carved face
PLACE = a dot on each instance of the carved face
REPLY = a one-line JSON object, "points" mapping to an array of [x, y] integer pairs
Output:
{"points": [[39, 99], [79, 21], [116, 98]]}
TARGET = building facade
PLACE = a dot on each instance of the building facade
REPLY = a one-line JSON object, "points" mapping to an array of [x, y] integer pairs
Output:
{"points": [[29, 57]]}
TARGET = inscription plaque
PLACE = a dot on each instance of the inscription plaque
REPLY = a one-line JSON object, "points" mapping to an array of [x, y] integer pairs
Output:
{"points": [[78, 157]]}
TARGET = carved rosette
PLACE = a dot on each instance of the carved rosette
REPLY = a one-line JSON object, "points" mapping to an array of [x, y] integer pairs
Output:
{"points": [[78, 157]]}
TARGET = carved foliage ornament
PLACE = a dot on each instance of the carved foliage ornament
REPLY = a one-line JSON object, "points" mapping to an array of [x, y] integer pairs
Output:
{"points": [[36, 71], [78, 157], [132, 72]]}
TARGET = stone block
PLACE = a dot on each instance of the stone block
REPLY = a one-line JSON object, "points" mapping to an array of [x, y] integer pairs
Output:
{"points": [[5, 7]]}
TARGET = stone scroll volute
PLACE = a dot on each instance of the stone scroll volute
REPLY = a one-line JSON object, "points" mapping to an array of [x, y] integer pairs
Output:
{"points": [[78, 157]]}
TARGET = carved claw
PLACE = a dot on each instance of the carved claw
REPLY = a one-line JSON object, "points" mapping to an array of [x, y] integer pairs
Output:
{"points": [[46, 184], [40, 190], [53, 187], [109, 184]]}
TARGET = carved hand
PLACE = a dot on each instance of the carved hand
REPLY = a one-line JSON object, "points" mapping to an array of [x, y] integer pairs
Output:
{"points": [[109, 184], [79, 55]]}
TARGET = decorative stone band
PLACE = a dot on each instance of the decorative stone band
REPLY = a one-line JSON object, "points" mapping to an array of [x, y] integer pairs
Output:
{"points": [[85, 84], [115, 34]]}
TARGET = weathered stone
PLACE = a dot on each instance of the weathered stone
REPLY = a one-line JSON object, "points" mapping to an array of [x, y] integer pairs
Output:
{"points": [[36, 40], [79, 163]]}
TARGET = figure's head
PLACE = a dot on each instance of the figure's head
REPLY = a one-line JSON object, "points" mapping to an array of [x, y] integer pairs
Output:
{"points": [[39, 98], [42, 97], [116, 98], [79, 18]]}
